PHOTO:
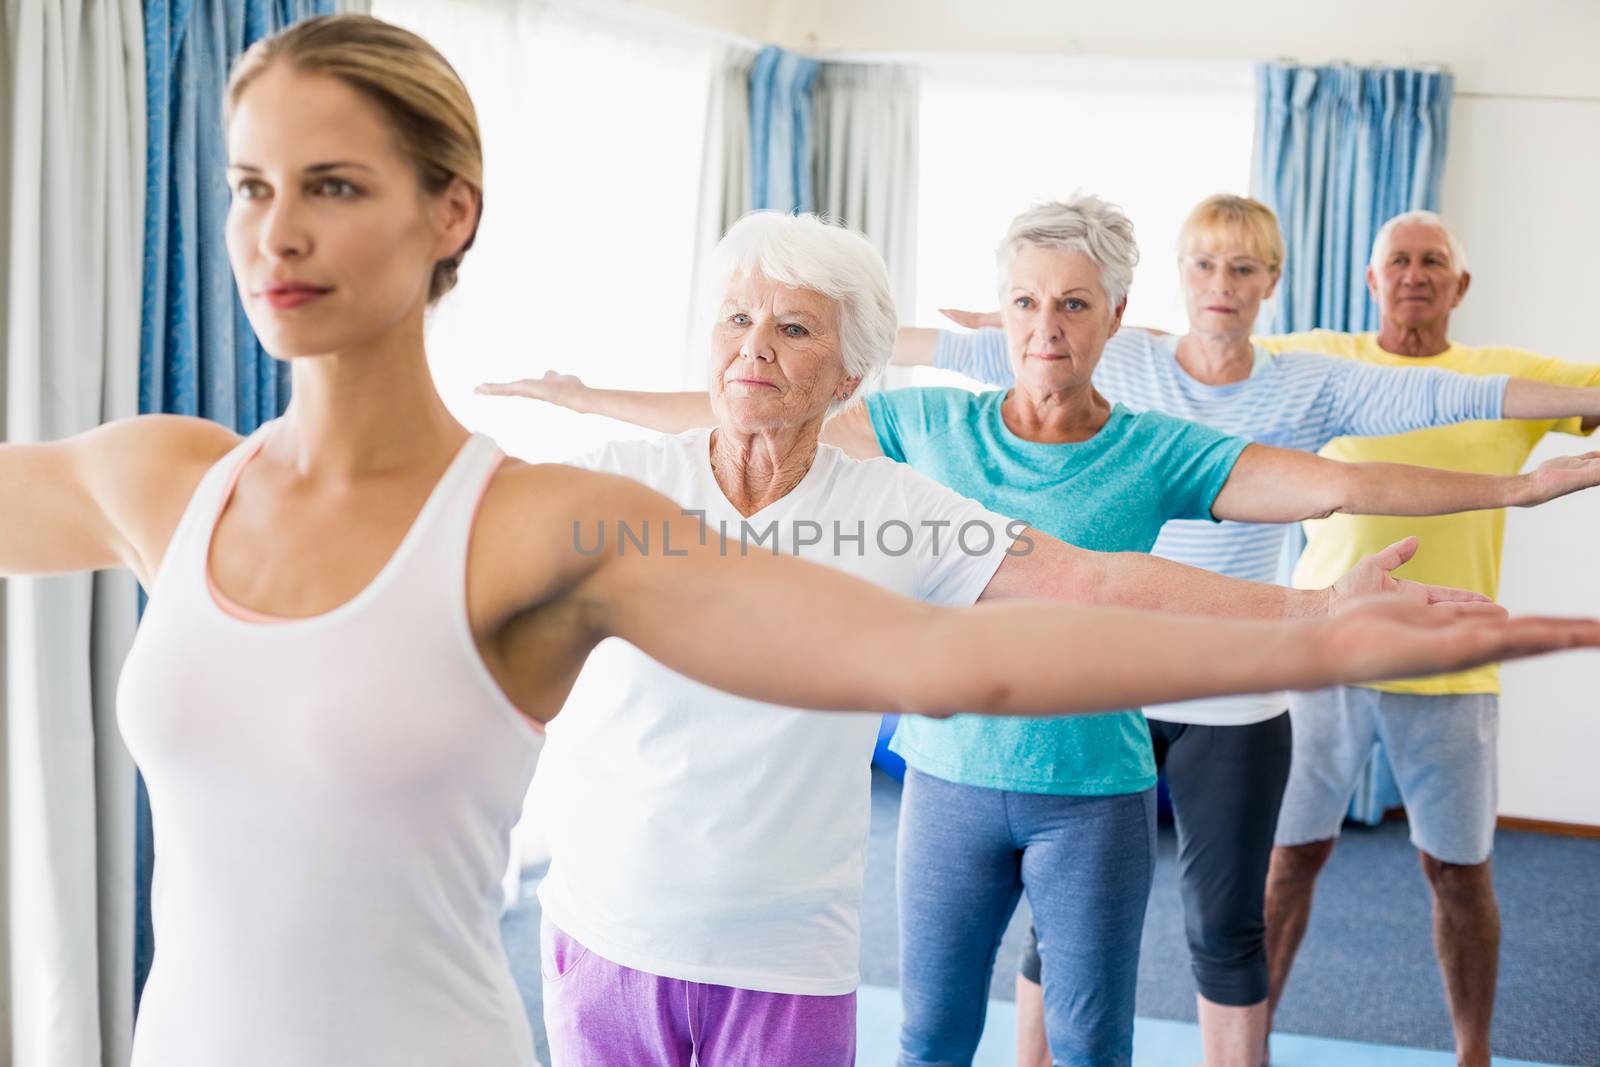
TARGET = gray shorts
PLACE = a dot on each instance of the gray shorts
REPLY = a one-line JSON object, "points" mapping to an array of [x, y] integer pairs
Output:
{"points": [[1442, 749]]}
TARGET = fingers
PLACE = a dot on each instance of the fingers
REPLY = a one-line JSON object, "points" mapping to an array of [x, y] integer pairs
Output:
{"points": [[972, 320], [519, 388], [1441, 594], [1536, 635], [1396, 554], [1469, 609]]}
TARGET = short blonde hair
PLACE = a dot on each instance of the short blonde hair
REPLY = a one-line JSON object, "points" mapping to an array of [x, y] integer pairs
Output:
{"points": [[429, 110], [1225, 221]]}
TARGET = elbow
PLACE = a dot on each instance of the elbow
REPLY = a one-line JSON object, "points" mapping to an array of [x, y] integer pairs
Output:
{"points": [[1345, 496], [977, 696]]}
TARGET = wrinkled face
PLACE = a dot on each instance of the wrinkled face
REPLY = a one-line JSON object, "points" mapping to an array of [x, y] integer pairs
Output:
{"points": [[331, 239], [1223, 287], [775, 357], [1058, 317], [1416, 284]]}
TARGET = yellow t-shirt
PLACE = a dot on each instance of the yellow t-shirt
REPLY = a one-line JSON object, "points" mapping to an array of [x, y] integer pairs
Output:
{"points": [[1460, 550]]}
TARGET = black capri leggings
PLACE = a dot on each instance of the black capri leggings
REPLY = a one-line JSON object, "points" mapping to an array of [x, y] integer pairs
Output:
{"points": [[1226, 784]]}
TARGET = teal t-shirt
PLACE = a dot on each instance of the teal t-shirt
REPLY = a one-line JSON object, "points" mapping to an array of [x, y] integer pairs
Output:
{"points": [[1111, 493]]}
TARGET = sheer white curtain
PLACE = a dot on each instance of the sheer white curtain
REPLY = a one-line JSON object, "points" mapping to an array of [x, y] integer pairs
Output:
{"points": [[594, 135], [1154, 137], [71, 205], [725, 185], [866, 162]]}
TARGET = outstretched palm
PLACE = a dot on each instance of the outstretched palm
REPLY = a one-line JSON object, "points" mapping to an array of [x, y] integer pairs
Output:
{"points": [[1392, 637], [1374, 575], [1565, 474], [553, 388]]}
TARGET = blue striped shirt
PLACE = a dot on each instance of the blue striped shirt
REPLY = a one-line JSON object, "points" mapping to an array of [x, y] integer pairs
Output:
{"points": [[1294, 400]]}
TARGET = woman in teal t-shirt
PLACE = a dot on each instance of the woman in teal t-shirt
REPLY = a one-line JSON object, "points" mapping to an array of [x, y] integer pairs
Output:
{"points": [[1065, 809]]}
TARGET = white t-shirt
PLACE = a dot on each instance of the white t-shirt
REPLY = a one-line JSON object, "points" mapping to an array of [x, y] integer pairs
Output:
{"points": [[700, 836]]}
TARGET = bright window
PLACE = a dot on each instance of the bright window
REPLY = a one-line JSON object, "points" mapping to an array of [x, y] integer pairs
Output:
{"points": [[1151, 137], [593, 136]]}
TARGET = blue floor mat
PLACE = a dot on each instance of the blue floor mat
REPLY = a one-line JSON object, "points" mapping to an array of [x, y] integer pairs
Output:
{"points": [[1156, 1042]]}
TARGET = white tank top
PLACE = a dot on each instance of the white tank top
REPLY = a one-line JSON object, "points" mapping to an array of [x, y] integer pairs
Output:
{"points": [[332, 799]]}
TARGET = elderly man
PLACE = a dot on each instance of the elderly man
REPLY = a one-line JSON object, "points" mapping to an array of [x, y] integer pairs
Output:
{"points": [[1440, 732]]}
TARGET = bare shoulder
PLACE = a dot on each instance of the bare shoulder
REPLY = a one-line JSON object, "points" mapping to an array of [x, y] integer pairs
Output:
{"points": [[537, 527], [522, 491], [145, 469], [161, 444], [141, 473]]}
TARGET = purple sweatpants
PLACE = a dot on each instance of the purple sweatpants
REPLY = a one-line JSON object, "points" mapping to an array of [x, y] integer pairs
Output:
{"points": [[600, 1014]]}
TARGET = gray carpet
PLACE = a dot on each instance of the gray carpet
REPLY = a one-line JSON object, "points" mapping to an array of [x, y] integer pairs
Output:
{"points": [[1367, 970]]}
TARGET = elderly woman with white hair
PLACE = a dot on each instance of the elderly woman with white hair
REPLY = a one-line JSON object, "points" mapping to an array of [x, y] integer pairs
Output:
{"points": [[1063, 810]]}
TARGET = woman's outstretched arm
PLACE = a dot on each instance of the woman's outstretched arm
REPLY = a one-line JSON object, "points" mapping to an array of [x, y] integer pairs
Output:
{"points": [[1284, 485], [663, 412], [786, 631], [850, 430]]}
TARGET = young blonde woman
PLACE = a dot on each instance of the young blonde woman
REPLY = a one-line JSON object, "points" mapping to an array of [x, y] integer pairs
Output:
{"points": [[358, 613]]}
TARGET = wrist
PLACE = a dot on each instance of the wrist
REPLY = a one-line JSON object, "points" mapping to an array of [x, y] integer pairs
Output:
{"points": [[1522, 491], [581, 400], [1316, 653], [1310, 603], [1307, 651]]}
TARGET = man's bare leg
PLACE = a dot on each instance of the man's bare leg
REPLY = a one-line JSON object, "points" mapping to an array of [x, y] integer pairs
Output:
{"points": [[1466, 934], [1033, 1048], [1232, 1036], [1291, 881]]}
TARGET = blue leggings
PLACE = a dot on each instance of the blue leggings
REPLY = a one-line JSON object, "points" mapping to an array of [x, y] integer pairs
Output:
{"points": [[966, 855]]}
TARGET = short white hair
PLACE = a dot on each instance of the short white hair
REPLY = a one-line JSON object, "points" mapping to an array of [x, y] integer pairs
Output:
{"points": [[1380, 243], [807, 252], [1084, 224]]}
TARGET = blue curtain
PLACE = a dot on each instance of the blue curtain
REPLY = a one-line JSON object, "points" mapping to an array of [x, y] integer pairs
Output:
{"points": [[782, 127], [197, 353], [1340, 150]]}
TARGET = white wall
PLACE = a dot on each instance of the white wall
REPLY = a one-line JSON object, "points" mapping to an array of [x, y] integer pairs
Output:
{"points": [[1543, 47], [1519, 186]]}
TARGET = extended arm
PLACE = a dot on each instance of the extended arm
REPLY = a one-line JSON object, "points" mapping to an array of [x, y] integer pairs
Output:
{"points": [[1528, 399], [982, 355], [914, 346], [1284, 485], [850, 430], [107, 498], [1056, 569], [664, 412], [769, 628]]}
